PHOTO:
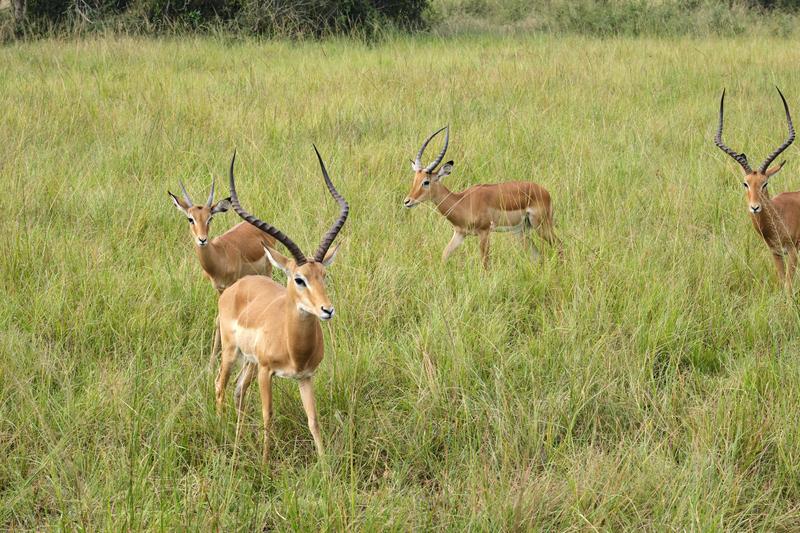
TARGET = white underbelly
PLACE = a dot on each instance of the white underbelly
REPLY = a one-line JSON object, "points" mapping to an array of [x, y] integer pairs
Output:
{"points": [[290, 374], [509, 220]]}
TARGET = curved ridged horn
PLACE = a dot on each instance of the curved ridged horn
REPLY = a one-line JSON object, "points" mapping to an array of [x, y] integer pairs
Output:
{"points": [[418, 160], [327, 240], [186, 194], [786, 143], [263, 226], [740, 158], [211, 195]]}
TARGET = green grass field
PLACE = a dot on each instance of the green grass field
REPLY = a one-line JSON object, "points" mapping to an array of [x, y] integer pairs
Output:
{"points": [[649, 381]]}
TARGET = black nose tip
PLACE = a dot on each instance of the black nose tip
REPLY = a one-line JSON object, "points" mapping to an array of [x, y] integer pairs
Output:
{"points": [[327, 310]]}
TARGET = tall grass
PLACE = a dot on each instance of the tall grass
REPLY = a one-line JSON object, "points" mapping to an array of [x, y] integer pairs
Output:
{"points": [[647, 381]]}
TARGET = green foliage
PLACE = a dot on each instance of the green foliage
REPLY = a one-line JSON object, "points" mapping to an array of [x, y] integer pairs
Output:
{"points": [[647, 382], [271, 17], [612, 17]]}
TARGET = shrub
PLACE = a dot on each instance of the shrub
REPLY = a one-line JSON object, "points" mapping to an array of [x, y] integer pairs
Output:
{"points": [[304, 17]]}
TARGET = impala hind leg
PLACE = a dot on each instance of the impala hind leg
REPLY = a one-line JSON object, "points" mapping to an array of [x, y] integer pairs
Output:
{"points": [[543, 224], [790, 266], [484, 237], [526, 241], [265, 386], [455, 242], [307, 395], [228, 358]]}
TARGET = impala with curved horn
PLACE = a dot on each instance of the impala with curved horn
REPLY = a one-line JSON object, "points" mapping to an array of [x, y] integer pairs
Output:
{"points": [[277, 328], [777, 219], [236, 253], [516, 206]]}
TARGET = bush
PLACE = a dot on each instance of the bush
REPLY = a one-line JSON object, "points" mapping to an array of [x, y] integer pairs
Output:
{"points": [[293, 17]]}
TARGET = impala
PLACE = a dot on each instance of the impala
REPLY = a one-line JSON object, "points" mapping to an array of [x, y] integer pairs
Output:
{"points": [[277, 328], [236, 253], [516, 206], [777, 219]]}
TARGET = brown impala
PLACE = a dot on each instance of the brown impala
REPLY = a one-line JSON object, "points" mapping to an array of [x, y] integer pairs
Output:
{"points": [[237, 252], [516, 206], [277, 328], [777, 219]]}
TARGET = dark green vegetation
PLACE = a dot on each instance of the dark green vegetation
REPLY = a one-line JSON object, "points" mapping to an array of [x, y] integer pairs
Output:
{"points": [[376, 19], [649, 381]]}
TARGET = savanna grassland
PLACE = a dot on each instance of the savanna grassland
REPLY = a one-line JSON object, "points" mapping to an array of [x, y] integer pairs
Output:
{"points": [[650, 380]]}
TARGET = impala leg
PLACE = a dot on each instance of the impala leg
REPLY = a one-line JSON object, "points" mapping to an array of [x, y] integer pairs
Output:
{"points": [[265, 386], [790, 266], [484, 237], [526, 241], [307, 395], [215, 343], [246, 377], [455, 242], [778, 258], [228, 358], [544, 228]]}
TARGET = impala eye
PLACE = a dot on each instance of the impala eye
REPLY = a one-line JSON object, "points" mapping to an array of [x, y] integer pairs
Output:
{"points": [[745, 185], [764, 186], [300, 282], [191, 221], [209, 221]]}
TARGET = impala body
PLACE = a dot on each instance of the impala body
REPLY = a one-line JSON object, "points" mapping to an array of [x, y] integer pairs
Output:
{"points": [[777, 219], [516, 206], [275, 329], [236, 253]]}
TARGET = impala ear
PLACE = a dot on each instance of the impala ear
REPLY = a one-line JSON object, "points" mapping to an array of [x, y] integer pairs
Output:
{"points": [[180, 205], [221, 206], [775, 169], [277, 259], [330, 256], [446, 169]]}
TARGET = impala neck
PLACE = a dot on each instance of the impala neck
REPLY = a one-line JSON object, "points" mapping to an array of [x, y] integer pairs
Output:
{"points": [[447, 202], [303, 332], [209, 257], [768, 221]]}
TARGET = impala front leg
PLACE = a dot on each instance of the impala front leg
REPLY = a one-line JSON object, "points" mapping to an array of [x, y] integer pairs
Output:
{"points": [[778, 258], [246, 377], [484, 236], [307, 395], [215, 343], [455, 242], [265, 386], [228, 358]]}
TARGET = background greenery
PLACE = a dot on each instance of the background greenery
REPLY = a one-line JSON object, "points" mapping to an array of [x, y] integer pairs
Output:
{"points": [[374, 19], [648, 381]]}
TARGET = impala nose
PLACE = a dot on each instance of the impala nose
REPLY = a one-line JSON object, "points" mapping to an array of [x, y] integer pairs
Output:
{"points": [[408, 202], [202, 241], [327, 312], [755, 208]]}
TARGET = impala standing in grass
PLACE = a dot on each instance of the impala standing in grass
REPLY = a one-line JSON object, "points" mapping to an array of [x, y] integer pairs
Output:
{"points": [[275, 327], [777, 219], [236, 253], [516, 206]]}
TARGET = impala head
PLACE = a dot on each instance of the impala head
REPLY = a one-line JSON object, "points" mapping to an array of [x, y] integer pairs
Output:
{"points": [[425, 176], [755, 181], [305, 277], [199, 216]]}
